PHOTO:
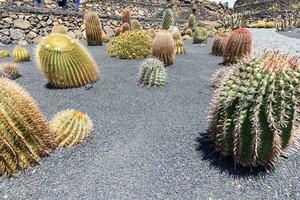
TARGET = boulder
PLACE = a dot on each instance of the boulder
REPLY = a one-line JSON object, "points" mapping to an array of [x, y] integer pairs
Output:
{"points": [[22, 24], [108, 30], [17, 34]]}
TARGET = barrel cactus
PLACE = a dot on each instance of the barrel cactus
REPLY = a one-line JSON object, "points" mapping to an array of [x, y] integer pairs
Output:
{"points": [[238, 45], [93, 28], [179, 45], [59, 29], [21, 54], [163, 47], [10, 70], [125, 27], [4, 53], [152, 73], [188, 32], [105, 38], [135, 25], [255, 117], [25, 133], [126, 16], [118, 31], [152, 33], [200, 36], [218, 44], [65, 62], [168, 19], [192, 22], [71, 127]]}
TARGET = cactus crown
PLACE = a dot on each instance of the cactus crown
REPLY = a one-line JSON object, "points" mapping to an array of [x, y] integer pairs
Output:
{"points": [[168, 19], [58, 43], [256, 111], [152, 73], [59, 29]]}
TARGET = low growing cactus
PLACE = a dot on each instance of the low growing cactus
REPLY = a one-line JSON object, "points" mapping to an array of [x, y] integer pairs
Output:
{"points": [[200, 36], [218, 44], [135, 25], [65, 62], [179, 45], [168, 19], [10, 70], [163, 47], [192, 22], [59, 29], [4, 53], [21, 54], [93, 28], [152, 73], [25, 134], [238, 45], [125, 27], [255, 117], [71, 127]]}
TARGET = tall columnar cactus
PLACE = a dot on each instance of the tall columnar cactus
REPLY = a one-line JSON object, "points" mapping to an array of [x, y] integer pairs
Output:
{"points": [[135, 25], [126, 16], [168, 19], [4, 53], [125, 27], [10, 70], [179, 45], [200, 36], [118, 31], [24, 131], [65, 62], [238, 44], [71, 127], [192, 22], [255, 116], [93, 28], [152, 73], [59, 29], [218, 44], [163, 47], [21, 54]]}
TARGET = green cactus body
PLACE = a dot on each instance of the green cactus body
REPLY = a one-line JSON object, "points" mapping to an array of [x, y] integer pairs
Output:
{"points": [[168, 19], [192, 22], [179, 45], [25, 134], [4, 53], [218, 44], [71, 127], [135, 25], [152, 73], [255, 116], [65, 62], [59, 29], [163, 47], [93, 28], [21, 54], [200, 36], [10, 70]]}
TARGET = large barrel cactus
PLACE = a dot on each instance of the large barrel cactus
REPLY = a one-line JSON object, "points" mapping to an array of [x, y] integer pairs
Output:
{"points": [[179, 45], [21, 54], [59, 29], [71, 127], [163, 47], [93, 28], [65, 62], [25, 136], [218, 44], [255, 116], [10, 71], [200, 36], [168, 19], [152, 73]]}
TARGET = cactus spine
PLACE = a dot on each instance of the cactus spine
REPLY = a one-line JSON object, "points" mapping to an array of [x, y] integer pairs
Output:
{"points": [[21, 54], [200, 36], [65, 62], [135, 25], [152, 73], [4, 53], [168, 19], [218, 44], [10, 70], [192, 22], [255, 116], [93, 28], [179, 45], [71, 127], [59, 29]]}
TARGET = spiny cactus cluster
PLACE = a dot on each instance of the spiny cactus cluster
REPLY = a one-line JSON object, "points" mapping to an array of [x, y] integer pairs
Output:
{"points": [[192, 22], [21, 54], [65, 62], [179, 45], [4, 53], [255, 116], [288, 22], [218, 44], [200, 36], [10, 71], [59, 29], [168, 19], [152, 73], [238, 45], [25, 134], [93, 28], [135, 25], [71, 127]]}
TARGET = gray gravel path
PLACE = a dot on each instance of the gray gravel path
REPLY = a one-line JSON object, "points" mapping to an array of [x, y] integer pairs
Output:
{"points": [[148, 143]]}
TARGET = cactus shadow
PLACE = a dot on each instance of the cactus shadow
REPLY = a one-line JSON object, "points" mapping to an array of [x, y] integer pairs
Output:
{"points": [[224, 164], [49, 86]]}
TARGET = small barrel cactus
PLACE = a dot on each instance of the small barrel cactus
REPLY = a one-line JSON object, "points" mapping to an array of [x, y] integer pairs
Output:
{"points": [[192, 22], [105, 38], [179, 45], [200, 36], [163, 47], [65, 62], [168, 19], [93, 28], [188, 32], [152, 33], [71, 127], [118, 31], [25, 133], [135, 25], [238, 45], [21, 54], [218, 44], [125, 27], [152, 73], [10, 70], [255, 116], [4, 53], [126, 16], [59, 29]]}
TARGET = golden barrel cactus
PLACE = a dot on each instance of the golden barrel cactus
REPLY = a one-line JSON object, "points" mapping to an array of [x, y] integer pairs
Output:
{"points": [[179, 45], [59, 29], [71, 127], [25, 136], [65, 62], [93, 28], [21, 54]]}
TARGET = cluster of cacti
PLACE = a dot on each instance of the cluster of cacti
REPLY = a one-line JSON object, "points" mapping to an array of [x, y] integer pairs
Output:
{"points": [[255, 116], [192, 22], [59, 29], [10, 71], [118, 31], [21, 54], [152, 73], [218, 44], [200, 36], [152, 33], [93, 28], [168, 19], [130, 45], [125, 27], [4, 53], [163, 47], [179, 45], [65, 62], [71, 127], [25, 134], [105, 38], [288, 22], [233, 21], [135, 25], [238, 45], [126, 16], [211, 31]]}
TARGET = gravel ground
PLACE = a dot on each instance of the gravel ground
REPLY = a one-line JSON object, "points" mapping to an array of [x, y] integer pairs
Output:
{"points": [[295, 33], [148, 143]]}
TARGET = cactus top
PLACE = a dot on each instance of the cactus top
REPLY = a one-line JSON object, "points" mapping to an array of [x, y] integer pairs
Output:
{"points": [[59, 42]]}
